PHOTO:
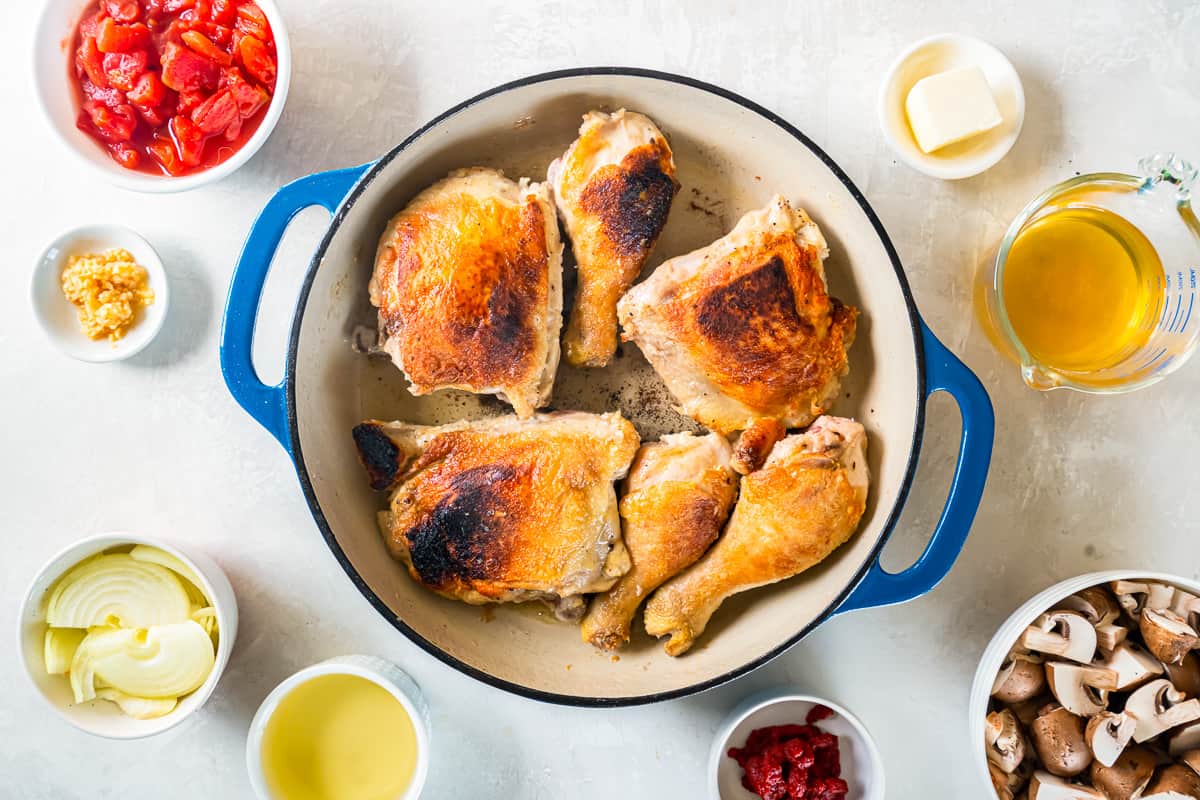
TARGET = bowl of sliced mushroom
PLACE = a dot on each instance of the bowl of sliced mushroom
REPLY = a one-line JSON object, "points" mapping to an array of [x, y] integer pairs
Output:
{"points": [[1091, 691]]}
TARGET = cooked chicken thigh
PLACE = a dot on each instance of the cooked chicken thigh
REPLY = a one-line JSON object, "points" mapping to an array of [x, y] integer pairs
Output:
{"points": [[803, 504], [676, 500], [468, 283], [613, 188], [744, 329], [505, 510]]}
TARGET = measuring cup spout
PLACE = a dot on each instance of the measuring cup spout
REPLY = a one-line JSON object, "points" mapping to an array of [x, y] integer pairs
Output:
{"points": [[1038, 378]]}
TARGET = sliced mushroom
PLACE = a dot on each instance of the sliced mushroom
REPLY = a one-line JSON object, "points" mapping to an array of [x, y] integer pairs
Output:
{"points": [[1062, 633], [1160, 596], [1027, 710], [1158, 707], [1107, 735], [1005, 741], [1044, 786], [1173, 781], [999, 782], [1191, 759], [1167, 635], [1082, 690], [1133, 665], [1185, 676], [1183, 739], [1020, 678], [1059, 742], [1126, 778], [1095, 603], [1131, 595], [1187, 605]]}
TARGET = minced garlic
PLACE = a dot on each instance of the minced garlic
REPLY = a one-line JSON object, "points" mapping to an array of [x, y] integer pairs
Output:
{"points": [[108, 289]]}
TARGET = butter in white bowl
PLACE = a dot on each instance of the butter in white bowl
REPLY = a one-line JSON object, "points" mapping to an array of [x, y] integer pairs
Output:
{"points": [[950, 107]]}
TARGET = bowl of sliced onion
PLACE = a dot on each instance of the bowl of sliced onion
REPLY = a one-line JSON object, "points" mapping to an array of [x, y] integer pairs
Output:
{"points": [[124, 636]]}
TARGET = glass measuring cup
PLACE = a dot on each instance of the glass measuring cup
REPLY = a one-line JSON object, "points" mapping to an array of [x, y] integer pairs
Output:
{"points": [[1158, 203]]}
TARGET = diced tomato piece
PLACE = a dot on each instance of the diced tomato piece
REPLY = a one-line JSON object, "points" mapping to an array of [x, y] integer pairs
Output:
{"points": [[148, 91], [249, 98], [114, 38], [223, 12], [176, 6], [185, 71], [253, 22], [110, 124], [163, 150], [189, 140], [220, 34], [257, 60], [202, 45], [90, 25], [155, 116], [188, 101], [90, 60], [123, 69], [234, 130], [105, 96], [126, 155], [216, 113], [122, 10], [203, 9]]}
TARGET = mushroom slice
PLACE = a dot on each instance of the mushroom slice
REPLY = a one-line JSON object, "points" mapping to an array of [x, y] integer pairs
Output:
{"points": [[1109, 636], [1000, 782], [1174, 781], [1058, 740], [1191, 759], [1107, 735], [1126, 778], [1131, 595], [1167, 635], [1044, 786], [1183, 739], [1187, 605], [1005, 742], [1095, 603], [1158, 707], [1081, 690], [1133, 665], [1185, 676], [1062, 633], [1020, 678]]}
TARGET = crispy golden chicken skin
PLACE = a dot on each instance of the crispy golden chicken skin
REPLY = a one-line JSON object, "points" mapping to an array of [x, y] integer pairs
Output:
{"points": [[744, 329], [674, 504], [468, 283], [803, 504], [613, 188], [505, 510]]}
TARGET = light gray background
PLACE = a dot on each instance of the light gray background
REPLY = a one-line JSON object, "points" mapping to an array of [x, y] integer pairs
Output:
{"points": [[157, 445]]}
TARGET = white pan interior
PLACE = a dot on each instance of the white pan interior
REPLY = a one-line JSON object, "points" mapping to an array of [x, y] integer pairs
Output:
{"points": [[730, 159]]}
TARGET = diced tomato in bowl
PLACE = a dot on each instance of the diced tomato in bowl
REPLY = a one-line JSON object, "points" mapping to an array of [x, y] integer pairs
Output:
{"points": [[174, 87]]}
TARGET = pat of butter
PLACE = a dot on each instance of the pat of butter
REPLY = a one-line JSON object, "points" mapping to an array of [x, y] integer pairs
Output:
{"points": [[951, 106]]}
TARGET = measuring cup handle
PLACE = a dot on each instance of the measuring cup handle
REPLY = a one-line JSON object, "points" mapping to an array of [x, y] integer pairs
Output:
{"points": [[943, 373], [268, 404]]}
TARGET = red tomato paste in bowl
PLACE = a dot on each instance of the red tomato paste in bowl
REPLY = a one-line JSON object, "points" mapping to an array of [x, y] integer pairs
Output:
{"points": [[793, 762], [173, 86]]}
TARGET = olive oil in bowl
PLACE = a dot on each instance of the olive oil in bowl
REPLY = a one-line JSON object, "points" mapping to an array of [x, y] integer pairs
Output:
{"points": [[339, 737], [1082, 288]]}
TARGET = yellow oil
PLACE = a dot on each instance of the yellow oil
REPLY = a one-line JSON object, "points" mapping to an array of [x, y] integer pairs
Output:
{"points": [[339, 737], [1081, 289]]}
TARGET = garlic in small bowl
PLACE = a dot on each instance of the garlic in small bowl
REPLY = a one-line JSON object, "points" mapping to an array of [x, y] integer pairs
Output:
{"points": [[125, 636]]}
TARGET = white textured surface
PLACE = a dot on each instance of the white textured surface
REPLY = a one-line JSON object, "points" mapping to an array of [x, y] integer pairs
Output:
{"points": [[157, 445]]}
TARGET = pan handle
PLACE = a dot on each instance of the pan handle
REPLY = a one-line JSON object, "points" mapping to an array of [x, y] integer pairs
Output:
{"points": [[943, 373], [268, 404]]}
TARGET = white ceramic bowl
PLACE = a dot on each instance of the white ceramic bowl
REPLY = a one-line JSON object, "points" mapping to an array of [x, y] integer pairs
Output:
{"points": [[378, 671], [101, 717], [937, 54], [58, 317], [52, 75], [862, 767], [1006, 636]]}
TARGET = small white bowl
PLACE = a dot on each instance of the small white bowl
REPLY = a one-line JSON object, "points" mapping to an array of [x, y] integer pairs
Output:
{"points": [[52, 74], [59, 319], [380, 672], [100, 717], [1010, 631], [938, 54], [862, 767]]}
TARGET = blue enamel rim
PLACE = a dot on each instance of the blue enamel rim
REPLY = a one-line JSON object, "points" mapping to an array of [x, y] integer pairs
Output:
{"points": [[938, 369]]}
